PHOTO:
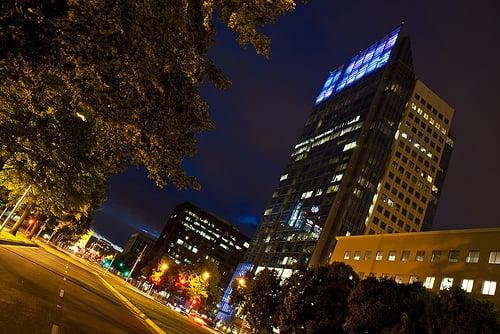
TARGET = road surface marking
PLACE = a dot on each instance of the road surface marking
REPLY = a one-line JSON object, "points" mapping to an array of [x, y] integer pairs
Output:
{"points": [[61, 293], [55, 329]]}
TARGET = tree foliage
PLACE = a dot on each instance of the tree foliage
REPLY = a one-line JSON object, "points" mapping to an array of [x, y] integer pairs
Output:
{"points": [[315, 300], [258, 298], [456, 311], [89, 87], [332, 299], [199, 280]]}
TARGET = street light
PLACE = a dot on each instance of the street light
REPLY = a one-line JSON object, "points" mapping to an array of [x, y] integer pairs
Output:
{"points": [[242, 282], [205, 275], [164, 266]]}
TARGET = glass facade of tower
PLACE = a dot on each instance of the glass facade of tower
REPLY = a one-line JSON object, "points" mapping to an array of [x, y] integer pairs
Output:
{"points": [[328, 185]]}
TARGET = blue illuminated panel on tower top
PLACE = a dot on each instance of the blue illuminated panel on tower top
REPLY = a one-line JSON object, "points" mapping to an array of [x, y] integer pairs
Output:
{"points": [[360, 65]]}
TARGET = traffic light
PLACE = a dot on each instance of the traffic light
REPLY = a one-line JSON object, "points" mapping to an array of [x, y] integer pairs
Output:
{"points": [[195, 302], [106, 263]]}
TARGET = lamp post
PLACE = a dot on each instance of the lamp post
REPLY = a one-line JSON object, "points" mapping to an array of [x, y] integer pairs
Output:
{"points": [[139, 258], [15, 207]]}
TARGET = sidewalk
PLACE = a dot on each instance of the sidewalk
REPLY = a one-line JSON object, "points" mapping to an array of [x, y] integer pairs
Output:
{"points": [[19, 240]]}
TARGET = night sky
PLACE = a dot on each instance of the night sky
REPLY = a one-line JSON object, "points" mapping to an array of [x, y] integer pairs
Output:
{"points": [[456, 53]]}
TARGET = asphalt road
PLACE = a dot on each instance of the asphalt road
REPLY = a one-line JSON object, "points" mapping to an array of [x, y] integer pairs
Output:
{"points": [[43, 293], [171, 322]]}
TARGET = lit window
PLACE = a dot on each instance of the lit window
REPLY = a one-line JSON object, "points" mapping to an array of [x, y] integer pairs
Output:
{"points": [[420, 256], [368, 255], [357, 255], [472, 257], [337, 177], [332, 189], [268, 212], [494, 257], [347, 254], [489, 288], [446, 283], [284, 177], [413, 279], [436, 256], [392, 256], [467, 284], [429, 282], [453, 256], [379, 256], [405, 255], [307, 194], [350, 146]]}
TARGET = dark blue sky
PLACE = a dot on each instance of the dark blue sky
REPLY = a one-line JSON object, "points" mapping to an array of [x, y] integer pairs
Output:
{"points": [[456, 53]]}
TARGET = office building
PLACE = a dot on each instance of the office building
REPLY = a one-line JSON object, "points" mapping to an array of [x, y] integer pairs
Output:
{"points": [[137, 243], [371, 159], [192, 235], [439, 259]]}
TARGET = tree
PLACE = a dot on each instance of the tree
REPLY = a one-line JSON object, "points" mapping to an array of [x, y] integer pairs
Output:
{"points": [[382, 305], [258, 298], [456, 311], [89, 87], [315, 300]]}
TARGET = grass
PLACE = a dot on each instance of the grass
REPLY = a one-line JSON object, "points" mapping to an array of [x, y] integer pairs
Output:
{"points": [[19, 239]]}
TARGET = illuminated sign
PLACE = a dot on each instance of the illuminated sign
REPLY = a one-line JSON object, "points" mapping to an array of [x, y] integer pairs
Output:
{"points": [[359, 66]]}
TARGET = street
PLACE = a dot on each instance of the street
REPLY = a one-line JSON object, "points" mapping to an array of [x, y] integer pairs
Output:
{"points": [[42, 293]]}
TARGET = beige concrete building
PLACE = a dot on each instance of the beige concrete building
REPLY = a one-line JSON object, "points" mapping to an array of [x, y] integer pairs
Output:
{"points": [[408, 192], [439, 259]]}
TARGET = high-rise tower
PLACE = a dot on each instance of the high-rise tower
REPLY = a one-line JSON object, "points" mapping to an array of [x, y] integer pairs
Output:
{"points": [[336, 178]]}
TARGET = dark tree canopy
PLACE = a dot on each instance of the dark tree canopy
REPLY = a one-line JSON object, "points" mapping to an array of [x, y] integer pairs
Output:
{"points": [[89, 87], [258, 297], [315, 300]]}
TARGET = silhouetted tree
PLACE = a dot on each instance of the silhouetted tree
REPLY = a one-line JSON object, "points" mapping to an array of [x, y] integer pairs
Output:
{"points": [[258, 299], [315, 300], [457, 312]]}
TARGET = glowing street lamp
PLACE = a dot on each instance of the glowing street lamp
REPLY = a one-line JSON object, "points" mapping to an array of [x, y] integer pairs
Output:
{"points": [[242, 282], [205, 275]]}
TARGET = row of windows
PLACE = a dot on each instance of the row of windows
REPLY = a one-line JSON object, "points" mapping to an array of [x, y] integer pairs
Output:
{"points": [[436, 255], [384, 225], [425, 132], [426, 136], [414, 166], [406, 187], [431, 108], [428, 118], [487, 287]]}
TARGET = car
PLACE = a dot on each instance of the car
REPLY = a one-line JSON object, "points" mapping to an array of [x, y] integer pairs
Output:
{"points": [[196, 318]]}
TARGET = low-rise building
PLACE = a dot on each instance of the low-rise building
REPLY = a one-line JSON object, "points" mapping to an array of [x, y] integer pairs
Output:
{"points": [[439, 259]]}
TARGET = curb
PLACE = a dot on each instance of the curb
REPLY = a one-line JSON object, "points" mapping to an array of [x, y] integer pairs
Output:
{"points": [[131, 306], [16, 243]]}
